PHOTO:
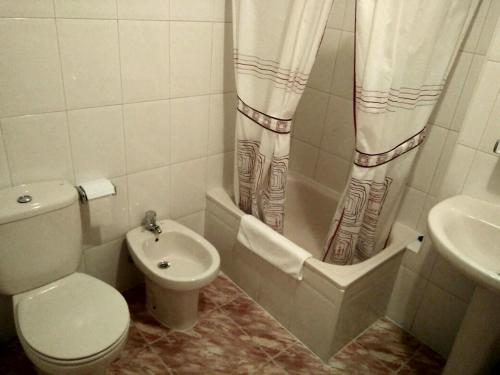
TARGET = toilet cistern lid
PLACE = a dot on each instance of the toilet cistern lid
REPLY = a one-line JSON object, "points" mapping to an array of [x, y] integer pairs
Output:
{"points": [[72, 318]]}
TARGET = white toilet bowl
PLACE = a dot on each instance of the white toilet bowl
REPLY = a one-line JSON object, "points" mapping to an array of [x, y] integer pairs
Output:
{"points": [[176, 266], [75, 325]]}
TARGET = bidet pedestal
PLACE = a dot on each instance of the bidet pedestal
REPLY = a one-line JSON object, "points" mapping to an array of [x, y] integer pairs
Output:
{"points": [[174, 309]]}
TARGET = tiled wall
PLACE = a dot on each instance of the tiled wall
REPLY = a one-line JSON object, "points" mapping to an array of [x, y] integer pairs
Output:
{"points": [[430, 296], [138, 91]]}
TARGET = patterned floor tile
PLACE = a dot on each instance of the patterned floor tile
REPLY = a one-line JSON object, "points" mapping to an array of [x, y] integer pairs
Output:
{"points": [[299, 360], [216, 345], [390, 344], [138, 360], [425, 361], [259, 325], [356, 360], [221, 291]]}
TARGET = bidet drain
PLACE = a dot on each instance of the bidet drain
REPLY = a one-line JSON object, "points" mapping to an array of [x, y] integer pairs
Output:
{"points": [[164, 264]]}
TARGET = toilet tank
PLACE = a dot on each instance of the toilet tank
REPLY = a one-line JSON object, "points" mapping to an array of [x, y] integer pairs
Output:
{"points": [[40, 240]]}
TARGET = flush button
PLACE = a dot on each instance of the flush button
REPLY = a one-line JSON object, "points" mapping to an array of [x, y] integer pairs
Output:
{"points": [[24, 199]]}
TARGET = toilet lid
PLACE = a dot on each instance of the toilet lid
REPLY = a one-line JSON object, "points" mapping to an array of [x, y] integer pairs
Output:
{"points": [[72, 318]]}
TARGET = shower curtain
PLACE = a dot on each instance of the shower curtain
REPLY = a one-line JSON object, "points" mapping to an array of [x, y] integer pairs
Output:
{"points": [[403, 54], [275, 44]]}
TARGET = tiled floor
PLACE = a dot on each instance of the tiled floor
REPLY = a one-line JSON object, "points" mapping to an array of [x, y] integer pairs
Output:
{"points": [[235, 336]]}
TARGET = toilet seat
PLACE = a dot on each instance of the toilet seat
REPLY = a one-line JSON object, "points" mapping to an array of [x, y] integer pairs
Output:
{"points": [[71, 321]]}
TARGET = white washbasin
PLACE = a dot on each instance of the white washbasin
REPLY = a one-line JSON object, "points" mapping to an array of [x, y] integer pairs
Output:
{"points": [[466, 231]]}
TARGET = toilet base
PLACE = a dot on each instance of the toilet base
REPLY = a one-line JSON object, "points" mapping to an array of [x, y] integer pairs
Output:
{"points": [[174, 309]]}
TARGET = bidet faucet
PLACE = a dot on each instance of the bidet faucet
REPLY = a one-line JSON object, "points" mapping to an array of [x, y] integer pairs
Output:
{"points": [[150, 223]]}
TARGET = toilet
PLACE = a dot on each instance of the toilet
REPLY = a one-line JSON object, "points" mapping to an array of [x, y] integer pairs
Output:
{"points": [[176, 264], [67, 322]]}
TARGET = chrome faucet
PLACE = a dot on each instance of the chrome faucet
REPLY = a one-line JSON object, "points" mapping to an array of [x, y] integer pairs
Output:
{"points": [[150, 223]]}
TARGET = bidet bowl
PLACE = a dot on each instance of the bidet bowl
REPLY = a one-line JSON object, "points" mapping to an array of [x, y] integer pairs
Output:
{"points": [[179, 260]]}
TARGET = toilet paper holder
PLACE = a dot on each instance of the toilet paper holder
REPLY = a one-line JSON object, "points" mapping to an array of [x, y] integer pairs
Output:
{"points": [[83, 195]]}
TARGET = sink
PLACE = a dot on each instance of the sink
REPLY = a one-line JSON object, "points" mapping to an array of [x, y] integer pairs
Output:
{"points": [[466, 231]]}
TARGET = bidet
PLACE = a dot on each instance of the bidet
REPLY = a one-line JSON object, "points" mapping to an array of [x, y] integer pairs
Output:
{"points": [[176, 263]]}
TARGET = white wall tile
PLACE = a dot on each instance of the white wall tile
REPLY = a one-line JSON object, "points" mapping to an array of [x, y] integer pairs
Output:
{"points": [[310, 116], [30, 73], [322, 70], [488, 27], [97, 142], [220, 170], [189, 124], [222, 74], [149, 190], [332, 171], [144, 50], [303, 158], [4, 167], [483, 181], [190, 46], [195, 221], [481, 105], [445, 109], [494, 49], [457, 171], [342, 81], [191, 10], [38, 147], [444, 162], [472, 37], [336, 18], [105, 9], [147, 135], [406, 296], [222, 10], [222, 123], [467, 91], [188, 188], [438, 319], [428, 158], [117, 206], [109, 263], [350, 8], [143, 9], [338, 133], [449, 278], [492, 131], [423, 261], [411, 207], [90, 62], [26, 8]]}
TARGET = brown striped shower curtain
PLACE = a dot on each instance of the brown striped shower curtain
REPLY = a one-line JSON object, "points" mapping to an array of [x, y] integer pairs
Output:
{"points": [[403, 54], [275, 44]]}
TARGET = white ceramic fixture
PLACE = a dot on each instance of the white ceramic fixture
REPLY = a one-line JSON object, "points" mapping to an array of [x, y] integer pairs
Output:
{"points": [[466, 231], [67, 322], [176, 263]]}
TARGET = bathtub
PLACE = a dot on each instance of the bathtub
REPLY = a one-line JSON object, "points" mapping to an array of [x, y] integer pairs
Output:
{"points": [[332, 304]]}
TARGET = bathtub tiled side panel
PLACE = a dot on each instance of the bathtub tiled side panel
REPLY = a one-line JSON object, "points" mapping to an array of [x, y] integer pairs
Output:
{"points": [[314, 320], [277, 293], [358, 312]]}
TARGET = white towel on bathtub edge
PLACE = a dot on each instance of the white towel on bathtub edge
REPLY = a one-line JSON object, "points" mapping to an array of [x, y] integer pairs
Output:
{"points": [[272, 246]]}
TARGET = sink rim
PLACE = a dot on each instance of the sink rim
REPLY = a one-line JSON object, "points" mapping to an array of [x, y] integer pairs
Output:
{"points": [[448, 249]]}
